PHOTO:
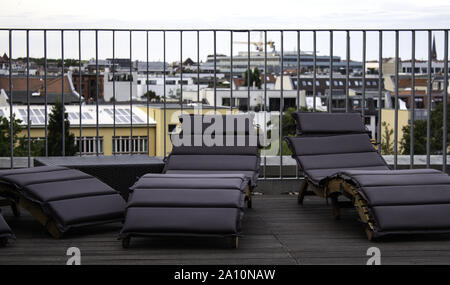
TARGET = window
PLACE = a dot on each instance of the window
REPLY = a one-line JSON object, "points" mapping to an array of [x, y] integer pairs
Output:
{"points": [[170, 82], [419, 103], [327, 83], [151, 82], [335, 83], [125, 145], [139, 82], [89, 145], [341, 83], [304, 83]]}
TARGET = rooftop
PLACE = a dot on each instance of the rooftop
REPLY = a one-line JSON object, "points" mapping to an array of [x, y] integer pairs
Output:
{"points": [[276, 231]]}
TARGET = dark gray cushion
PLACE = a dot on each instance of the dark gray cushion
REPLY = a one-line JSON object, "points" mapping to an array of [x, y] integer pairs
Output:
{"points": [[202, 198], [328, 123], [186, 204], [191, 181], [323, 156], [186, 220], [69, 197], [88, 210], [212, 163]]}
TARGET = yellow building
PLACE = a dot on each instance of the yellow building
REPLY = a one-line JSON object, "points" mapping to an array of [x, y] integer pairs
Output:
{"points": [[388, 125], [114, 137]]}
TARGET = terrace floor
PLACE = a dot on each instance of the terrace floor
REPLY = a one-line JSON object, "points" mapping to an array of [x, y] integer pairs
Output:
{"points": [[275, 231]]}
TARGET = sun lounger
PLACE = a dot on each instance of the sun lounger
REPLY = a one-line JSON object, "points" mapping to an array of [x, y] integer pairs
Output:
{"points": [[202, 192], [5, 232], [61, 198], [336, 157]]}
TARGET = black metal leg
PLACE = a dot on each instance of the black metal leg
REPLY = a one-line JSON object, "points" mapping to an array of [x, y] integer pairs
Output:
{"points": [[15, 209], [126, 242], [336, 208], [3, 242], [302, 192]]}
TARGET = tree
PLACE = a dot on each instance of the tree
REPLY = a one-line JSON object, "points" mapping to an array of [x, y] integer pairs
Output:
{"points": [[20, 144], [5, 149], [248, 76], [55, 133], [420, 133], [151, 95], [257, 77], [387, 146]]}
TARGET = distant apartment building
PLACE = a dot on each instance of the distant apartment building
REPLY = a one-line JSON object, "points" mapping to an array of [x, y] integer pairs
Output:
{"points": [[273, 61], [88, 88], [39, 91]]}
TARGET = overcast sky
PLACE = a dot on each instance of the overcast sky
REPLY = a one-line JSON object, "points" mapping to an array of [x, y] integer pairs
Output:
{"points": [[233, 14]]}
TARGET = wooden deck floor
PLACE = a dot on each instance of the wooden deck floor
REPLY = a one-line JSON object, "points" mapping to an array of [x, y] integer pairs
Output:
{"points": [[276, 231]]}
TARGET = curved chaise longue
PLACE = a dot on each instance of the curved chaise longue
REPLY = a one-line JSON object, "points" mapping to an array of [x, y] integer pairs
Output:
{"points": [[335, 155], [202, 190], [60, 198]]}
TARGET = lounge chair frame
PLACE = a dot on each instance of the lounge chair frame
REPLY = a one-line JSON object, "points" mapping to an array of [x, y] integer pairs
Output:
{"points": [[335, 188], [9, 192]]}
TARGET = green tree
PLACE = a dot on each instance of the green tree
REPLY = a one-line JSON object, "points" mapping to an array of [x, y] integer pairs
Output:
{"points": [[248, 76], [387, 145], [420, 133], [55, 133], [151, 95], [20, 144], [5, 149], [257, 77]]}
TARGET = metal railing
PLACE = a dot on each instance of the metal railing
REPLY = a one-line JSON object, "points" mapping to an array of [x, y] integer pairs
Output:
{"points": [[232, 32]]}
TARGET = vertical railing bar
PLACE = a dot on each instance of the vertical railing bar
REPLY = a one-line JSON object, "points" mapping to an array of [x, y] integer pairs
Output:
{"points": [[198, 66], [363, 100], [444, 131], [148, 96], [265, 102], [298, 70], [231, 71], [181, 71], [396, 98], [62, 96], [45, 93], [330, 95], [131, 143], [413, 97], [81, 90], [429, 86], [11, 118], [298, 86], [114, 91], [97, 140], [248, 71], [314, 70], [215, 73], [281, 105], [164, 89], [380, 86], [347, 71], [28, 98]]}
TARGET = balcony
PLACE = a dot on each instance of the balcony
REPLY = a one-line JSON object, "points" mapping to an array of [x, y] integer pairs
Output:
{"points": [[112, 113]]}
